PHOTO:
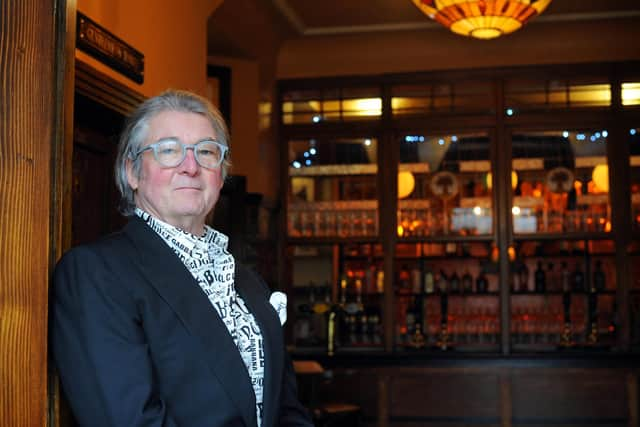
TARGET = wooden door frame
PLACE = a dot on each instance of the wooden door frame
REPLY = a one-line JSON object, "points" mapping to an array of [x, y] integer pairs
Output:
{"points": [[72, 77]]}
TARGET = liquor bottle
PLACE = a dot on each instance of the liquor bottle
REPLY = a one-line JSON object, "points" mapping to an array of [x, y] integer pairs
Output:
{"points": [[369, 280], [404, 278], [380, 281], [363, 328], [442, 282], [599, 278], [443, 335], [592, 316], [482, 284], [565, 277], [429, 282], [566, 337], [514, 279], [416, 282], [540, 278], [410, 320], [334, 320], [343, 290], [374, 328], [552, 280], [454, 283], [355, 308], [578, 279], [523, 274], [467, 282]]}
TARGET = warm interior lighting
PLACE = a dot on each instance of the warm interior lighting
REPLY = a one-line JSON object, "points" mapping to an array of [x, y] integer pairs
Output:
{"points": [[630, 93], [482, 19], [600, 177], [366, 106], [406, 183], [514, 180]]}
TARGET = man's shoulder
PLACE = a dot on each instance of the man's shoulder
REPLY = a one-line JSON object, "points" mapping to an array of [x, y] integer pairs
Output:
{"points": [[109, 249], [117, 239]]}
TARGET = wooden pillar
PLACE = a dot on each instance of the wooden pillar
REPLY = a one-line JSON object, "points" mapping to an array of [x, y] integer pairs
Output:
{"points": [[634, 401], [383, 400], [506, 406], [32, 52]]}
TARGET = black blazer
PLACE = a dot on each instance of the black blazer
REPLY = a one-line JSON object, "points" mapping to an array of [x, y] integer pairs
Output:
{"points": [[137, 342]]}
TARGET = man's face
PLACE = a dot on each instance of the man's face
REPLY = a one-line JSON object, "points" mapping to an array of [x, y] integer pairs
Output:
{"points": [[183, 195]]}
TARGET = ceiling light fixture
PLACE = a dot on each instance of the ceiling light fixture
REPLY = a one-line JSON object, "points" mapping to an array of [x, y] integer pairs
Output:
{"points": [[482, 19]]}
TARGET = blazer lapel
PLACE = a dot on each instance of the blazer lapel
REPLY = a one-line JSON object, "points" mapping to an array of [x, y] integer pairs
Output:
{"points": [[257, 301], [180, 290]]}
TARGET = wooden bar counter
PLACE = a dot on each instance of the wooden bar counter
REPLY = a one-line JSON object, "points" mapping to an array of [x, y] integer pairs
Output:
{"points": [[449, 389]]}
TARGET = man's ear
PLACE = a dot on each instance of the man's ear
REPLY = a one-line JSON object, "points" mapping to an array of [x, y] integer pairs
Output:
{"points": [[132, 179]]}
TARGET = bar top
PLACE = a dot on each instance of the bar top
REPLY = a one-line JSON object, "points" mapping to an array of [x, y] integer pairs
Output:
{"points": [[568, 358]]}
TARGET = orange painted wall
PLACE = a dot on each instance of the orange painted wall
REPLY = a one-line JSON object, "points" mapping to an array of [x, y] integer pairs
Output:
{"points": [[171, 34], [439, 49], [249, 153]]}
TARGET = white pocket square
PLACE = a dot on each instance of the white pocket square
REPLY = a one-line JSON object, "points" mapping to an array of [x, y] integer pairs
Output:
{"points": [[279, 302]]}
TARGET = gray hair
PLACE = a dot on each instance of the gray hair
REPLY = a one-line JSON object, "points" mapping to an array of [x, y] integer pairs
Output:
{"points": [[136, 128]]}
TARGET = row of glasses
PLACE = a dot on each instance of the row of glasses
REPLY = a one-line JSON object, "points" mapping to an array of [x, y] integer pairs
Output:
{"points": [[333, 223]]}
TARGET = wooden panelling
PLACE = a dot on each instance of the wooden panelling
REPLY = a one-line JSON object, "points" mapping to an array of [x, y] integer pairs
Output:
{"points": [[29, 85], [504, 396], [443, 396], [584, 394]]}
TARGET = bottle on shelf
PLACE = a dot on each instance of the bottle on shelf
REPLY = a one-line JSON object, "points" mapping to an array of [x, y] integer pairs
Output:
{"points": [[592, 314], [482, 283], [369, 280], [565, 277], [380, 281], [429, 281], [523, 275], [467, 282], [364, 335], [454, 283], [441, 282], [402, 304], [404, 279], [540, 278], [333, 328], [354, 311], [343, 290], [578, 279], [375, 335], [552, 279], [599, 281], [416, 280], [566, 338], [443, 335]]}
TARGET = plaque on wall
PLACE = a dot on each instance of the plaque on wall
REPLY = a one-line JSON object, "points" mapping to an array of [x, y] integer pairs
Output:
{"points": [[109, 49]]}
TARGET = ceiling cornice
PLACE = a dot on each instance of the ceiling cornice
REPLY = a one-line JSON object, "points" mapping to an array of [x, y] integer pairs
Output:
{"points": [[296, 22]]}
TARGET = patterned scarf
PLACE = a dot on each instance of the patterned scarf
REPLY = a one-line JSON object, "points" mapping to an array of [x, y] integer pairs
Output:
{"points": [[213, 267]]}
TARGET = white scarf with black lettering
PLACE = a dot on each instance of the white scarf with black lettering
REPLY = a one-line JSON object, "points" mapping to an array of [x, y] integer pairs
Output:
{"points": [[210, 263]]}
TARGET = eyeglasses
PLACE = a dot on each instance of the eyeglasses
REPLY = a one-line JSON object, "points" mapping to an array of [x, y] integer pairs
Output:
{"points": [[170, 152]]}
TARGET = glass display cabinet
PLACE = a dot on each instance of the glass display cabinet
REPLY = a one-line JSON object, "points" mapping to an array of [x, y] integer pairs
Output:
{"points": [[335, 263], [562, 277], [473, 215], [446, 286]]}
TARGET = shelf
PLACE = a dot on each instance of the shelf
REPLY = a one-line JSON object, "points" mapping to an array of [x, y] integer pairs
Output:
{"points": [[449, 294], [601, 235], [331, 240], [446, 239], [446, 257], [550, 293]]}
